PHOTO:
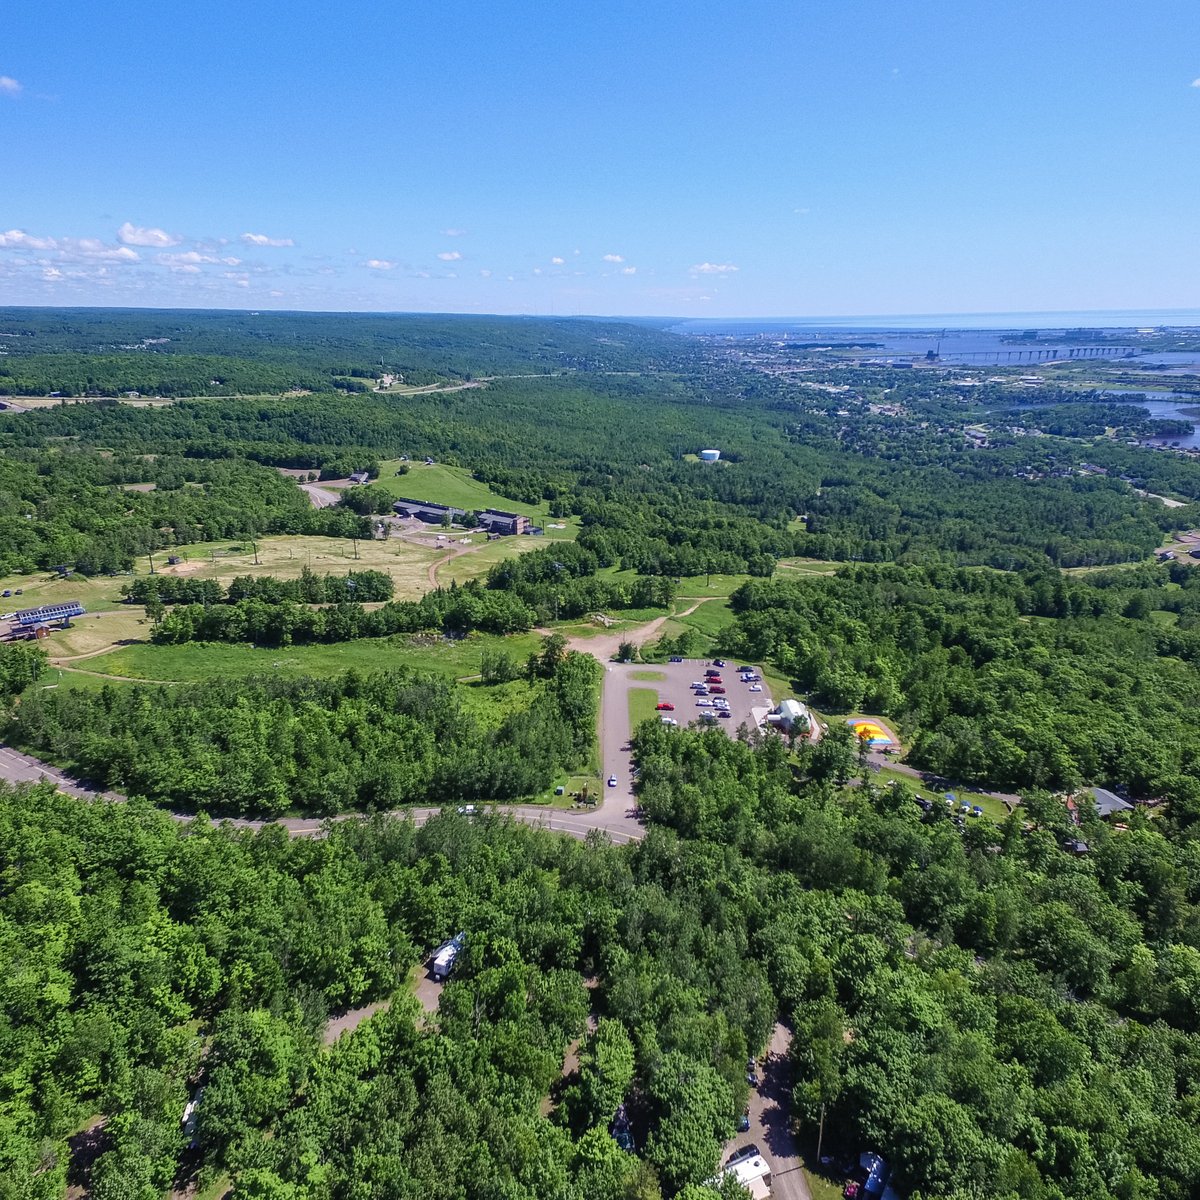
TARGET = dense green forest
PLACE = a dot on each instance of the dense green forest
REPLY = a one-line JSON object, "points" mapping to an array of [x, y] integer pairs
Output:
{"points": [[1006, 1010], [1024, 681], [999, 1017], [267, 746]]}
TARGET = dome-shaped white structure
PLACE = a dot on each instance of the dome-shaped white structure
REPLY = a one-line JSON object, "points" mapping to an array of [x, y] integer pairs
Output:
{"points": [[709, 455]]}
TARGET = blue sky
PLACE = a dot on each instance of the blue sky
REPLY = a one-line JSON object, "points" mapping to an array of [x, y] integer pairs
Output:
{"points": [[661, 158]]}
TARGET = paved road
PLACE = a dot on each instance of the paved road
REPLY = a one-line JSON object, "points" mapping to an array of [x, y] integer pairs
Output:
{"points": [[770, 1124], [321, 497], [612, 817]]}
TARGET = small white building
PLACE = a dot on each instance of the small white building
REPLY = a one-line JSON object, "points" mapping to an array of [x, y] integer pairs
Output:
{"points": [[710, 455], [789, 715]]}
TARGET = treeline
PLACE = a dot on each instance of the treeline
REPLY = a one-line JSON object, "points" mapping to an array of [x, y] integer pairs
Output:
{"points": [[309, 588], [189, 353], [1000, 679], [81, 508], [453, 610], [268, 746]]}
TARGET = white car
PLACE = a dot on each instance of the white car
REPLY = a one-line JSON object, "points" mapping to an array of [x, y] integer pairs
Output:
{"points": [[704, 702], [612, 781], [756, 687]]}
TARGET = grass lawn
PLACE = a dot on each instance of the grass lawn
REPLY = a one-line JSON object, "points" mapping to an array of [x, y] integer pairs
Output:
{"points": [[692, 587], [648, 676], [198, 660], [709, 619], [642, 706]]}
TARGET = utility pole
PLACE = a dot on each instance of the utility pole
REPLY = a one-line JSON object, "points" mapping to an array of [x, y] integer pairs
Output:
{"points": [[150, 560], [820, 1134]]}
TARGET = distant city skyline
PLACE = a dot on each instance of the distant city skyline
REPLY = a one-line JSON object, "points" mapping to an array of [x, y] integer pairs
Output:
{"points": [[686, 160]]}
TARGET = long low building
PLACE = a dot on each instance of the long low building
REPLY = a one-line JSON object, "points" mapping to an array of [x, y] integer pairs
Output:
{"points": [[31, 618], [427, 511]]}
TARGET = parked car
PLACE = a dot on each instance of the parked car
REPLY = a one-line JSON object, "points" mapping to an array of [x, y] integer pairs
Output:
{"points": [[704, 702], [744, 1123], [612, 781], [718, 662], [675, 658], [466, 810], [756, 687], [725, 713], [665, 706]]}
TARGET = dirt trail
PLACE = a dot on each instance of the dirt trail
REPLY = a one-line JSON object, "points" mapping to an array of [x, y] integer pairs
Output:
{"points": [[605, 645], [438, 563]]}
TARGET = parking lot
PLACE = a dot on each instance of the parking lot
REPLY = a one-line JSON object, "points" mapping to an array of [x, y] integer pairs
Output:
{"points": [[676, 688], [672, 684]]}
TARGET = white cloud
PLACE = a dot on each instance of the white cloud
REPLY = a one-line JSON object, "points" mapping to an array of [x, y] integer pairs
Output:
{"points": [[454, 232], [93, 248], [190, 261], [1196, 83], [613, 258], [707, 268], [380, 264], [140, 235], [485, 273], [629, 270], [19, 239], [537, 270], [9, 86], [558, 262], [450, 256], [261, 239], [801, 212], [52, 273]]}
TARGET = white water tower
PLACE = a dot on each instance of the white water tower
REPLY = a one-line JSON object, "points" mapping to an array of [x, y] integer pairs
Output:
{"points": [[709, 455]]}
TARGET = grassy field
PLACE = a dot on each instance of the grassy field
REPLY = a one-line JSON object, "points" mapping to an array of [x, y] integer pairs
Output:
{"points": [[648, 676], [642, 706], [283, 556], [197, 660], [476, 563], [98, 631], [806, 566]]}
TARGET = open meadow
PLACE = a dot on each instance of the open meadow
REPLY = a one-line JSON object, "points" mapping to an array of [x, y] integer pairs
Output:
{"points": [[200, 660]]}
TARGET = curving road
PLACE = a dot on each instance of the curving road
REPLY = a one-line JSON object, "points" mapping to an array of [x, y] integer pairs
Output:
{"points": [[614, 817]]}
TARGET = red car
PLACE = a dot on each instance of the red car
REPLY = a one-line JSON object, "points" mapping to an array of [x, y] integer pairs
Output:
{"points": [[665, 707], [717, 690]]}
